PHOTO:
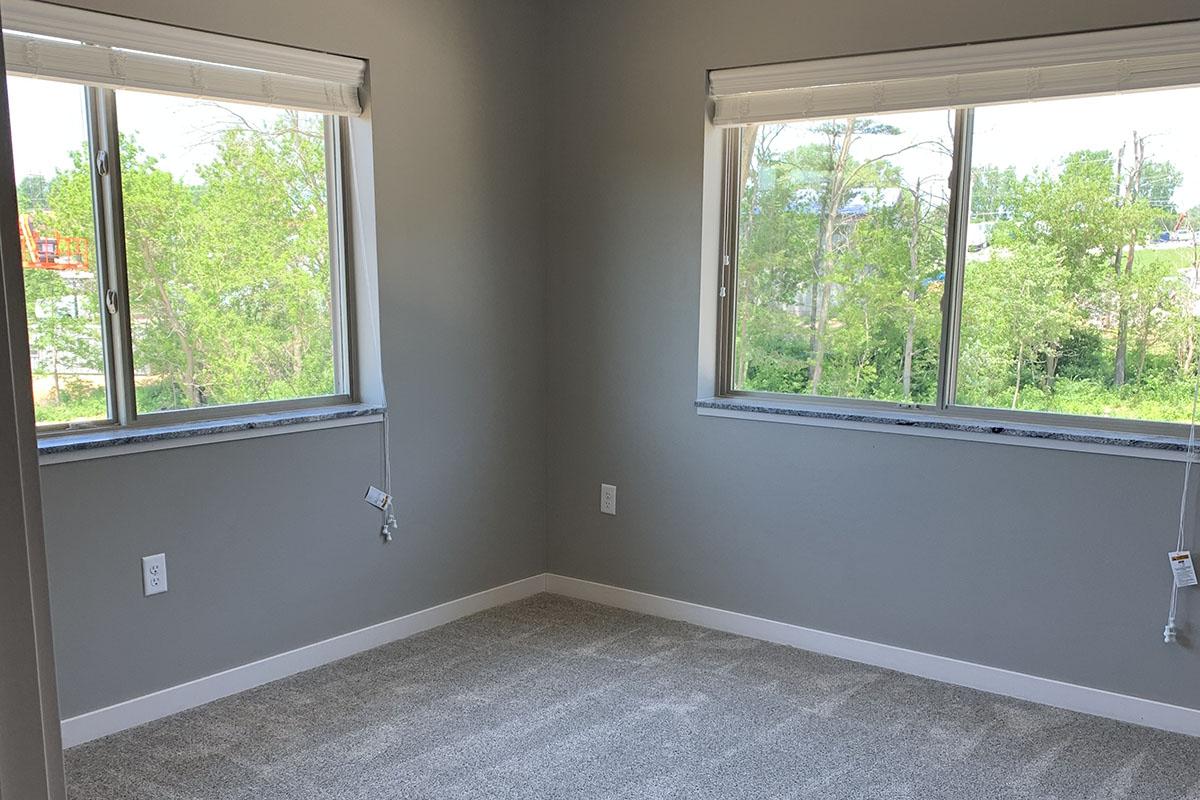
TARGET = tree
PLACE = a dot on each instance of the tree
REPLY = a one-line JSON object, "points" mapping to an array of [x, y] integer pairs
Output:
{"points": [[160, 250], [62, 306], [1158, 182], [268, 306], [1074, 212], [1143, 182], [33, 194], [775, 237], [994, 193], [841, 261], [901, 250], [1020, 310], [1157, 293], [229, 277], [842, 178], [838, 259], [1093, 212]]}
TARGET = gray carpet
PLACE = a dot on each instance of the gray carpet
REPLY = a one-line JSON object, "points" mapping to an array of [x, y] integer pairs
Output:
{"points": [[554, 698]]}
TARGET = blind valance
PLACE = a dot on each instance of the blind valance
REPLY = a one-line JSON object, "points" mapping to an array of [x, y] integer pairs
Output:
{"points": [[1103, 62], [48, 41]]}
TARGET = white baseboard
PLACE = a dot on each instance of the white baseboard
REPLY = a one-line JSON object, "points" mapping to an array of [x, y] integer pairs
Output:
{"points": [[140, 710], [1098, 702], [147, 708]]}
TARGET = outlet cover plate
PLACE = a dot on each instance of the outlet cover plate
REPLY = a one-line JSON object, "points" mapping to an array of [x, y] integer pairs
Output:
{"points": [[608, 499], [154, 574]]}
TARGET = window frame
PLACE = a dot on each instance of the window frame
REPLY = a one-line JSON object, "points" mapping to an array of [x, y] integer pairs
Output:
{"points": [[103, 137], [944, 407]]}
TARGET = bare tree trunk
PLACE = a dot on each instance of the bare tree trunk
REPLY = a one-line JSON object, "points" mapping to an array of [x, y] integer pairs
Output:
{"points": [[818, 365], [1123, 320], [914, 266], [1119, 360], [1143, 345], [297, 354], [1020, 363], [1131, 194], [824, 257], [1190, 346], [812, 324], [194, 394], [745, 159], [1051, 369], [864, 356], [908, 352], [1141, 367]]}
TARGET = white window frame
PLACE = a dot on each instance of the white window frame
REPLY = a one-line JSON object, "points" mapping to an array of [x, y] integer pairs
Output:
{"points": [[103, 53], [905, 81]]}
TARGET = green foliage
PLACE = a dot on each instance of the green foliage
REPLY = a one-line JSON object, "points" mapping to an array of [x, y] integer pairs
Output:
{"points": [[994, 192], [74, 399], [1067, 309], [33, 193], [1019, 313], [229, 279], [838, 285]]}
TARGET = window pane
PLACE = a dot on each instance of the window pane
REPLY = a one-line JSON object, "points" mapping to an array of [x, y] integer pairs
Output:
{"points": [[227, 246], [841, 256], [54, 200], [1080, 284]]}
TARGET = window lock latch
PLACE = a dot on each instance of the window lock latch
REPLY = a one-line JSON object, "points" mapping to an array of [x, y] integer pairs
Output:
{"points": [[110, 301], [102, 164]]}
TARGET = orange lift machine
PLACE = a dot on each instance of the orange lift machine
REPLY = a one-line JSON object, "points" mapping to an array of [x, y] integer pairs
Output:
{"points": [[51, 250]]}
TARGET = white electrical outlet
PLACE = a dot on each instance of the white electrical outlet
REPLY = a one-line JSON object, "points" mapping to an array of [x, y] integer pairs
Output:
{"points": [[608, 499], [154, 574]]}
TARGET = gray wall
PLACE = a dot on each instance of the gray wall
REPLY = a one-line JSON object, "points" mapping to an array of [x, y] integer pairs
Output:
{"points": [[1042, 561], [484, 187], [457, 159]]}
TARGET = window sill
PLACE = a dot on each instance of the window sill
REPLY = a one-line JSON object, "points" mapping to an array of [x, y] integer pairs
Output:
{"points": [[120, 441], [1137, 445]]}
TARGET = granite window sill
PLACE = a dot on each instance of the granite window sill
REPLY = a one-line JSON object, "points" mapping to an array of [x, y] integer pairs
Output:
{"points": [[112, 441], [944, 426]]}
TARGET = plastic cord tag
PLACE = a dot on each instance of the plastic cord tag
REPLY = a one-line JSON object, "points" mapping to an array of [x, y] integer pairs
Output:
{"points": [[1182, 567], [378, 498]]}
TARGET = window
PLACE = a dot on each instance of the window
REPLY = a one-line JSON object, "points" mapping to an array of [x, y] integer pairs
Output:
{"points": [[183, 249], [1082, 274], [1028, 252], [58, 252], [841, 251], [227, 252]]}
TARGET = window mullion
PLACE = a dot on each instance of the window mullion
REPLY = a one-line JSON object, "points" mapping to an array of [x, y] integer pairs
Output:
{"points": [[956, 257], [339, 258], [727, 291], [104, 139], [91, 118]]}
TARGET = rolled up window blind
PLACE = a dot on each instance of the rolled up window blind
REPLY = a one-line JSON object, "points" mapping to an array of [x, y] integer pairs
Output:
{"points": [[1103, 62], [55, 42]]}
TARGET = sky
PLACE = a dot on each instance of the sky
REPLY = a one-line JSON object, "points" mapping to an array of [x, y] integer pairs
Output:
{"points": [[48, 123], [1032, 135]]}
